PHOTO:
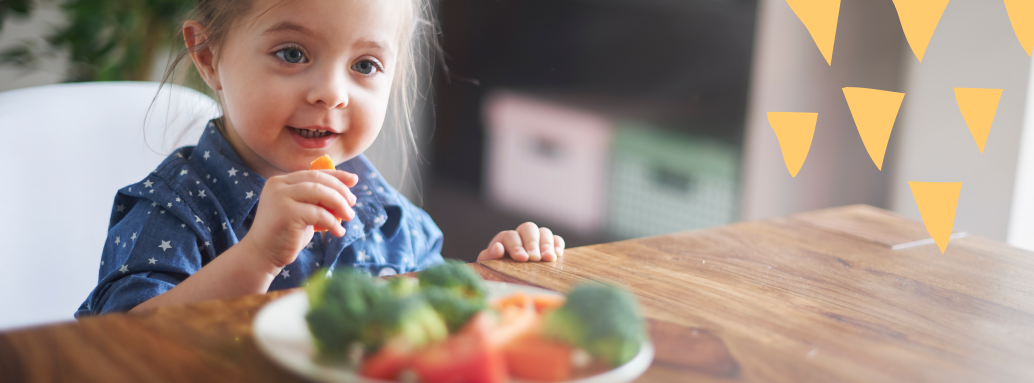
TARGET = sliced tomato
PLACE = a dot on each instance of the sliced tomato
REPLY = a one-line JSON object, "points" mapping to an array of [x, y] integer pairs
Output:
{"points": [[389, 361], [465, 357], [532, 357], [322, 163]]}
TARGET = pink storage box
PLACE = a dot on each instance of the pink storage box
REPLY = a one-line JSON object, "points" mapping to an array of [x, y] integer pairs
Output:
{"points": [[547, 161]]}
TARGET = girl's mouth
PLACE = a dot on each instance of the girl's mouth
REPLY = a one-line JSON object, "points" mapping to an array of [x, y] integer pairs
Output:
{"points": [[313, 138]]}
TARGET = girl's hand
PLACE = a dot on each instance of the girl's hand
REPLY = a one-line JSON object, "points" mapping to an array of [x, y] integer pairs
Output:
{"points": [[291, 204], [528, 243]]}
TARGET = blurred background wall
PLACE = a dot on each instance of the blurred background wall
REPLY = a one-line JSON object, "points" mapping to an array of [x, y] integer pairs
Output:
{"points": [[612, 119]]}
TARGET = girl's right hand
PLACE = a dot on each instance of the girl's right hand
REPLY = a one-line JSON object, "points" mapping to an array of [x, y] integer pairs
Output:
{"points": [[291, 204]]}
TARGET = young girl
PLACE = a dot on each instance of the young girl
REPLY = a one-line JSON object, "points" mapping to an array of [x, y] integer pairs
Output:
{"points": [[297, 79]]}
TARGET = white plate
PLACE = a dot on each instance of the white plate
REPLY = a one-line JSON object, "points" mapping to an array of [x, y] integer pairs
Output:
{"points": [[282, 334]]}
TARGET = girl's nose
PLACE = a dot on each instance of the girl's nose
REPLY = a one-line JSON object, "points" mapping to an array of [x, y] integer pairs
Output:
{"points": [[329, 90]]}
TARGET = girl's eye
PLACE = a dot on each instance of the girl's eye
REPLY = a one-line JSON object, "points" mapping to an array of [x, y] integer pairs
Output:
{"points": [[291, 55], [365, 67]]}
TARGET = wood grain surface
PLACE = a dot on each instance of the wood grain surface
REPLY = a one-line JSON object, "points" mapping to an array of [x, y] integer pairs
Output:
{"points": [[818, 296]]}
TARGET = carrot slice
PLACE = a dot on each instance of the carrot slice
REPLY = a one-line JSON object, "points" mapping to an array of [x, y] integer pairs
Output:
{"points": [[518, 299], [540, 303], [322, 163], [547, 302]]}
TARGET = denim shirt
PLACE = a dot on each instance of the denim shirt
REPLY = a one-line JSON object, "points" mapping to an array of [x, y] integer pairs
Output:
{"points": [[201, 201]]}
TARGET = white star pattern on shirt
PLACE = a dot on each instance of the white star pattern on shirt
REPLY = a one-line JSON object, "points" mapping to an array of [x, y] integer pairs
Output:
{"points": [[201, 193], [183, 225], [285, 273], [152, 260], [207, 244], [179, 155], [117, 241], [133, 237], [177, 199], [153, 204], [170, 204], [361, 256], [245, 174], [123, 269], [308, 245], [148, 183], [206, 155], [165, 245], [233, 172], [198, 219], [224, 225], [102, 263], [162, 211], [183, 172], [249, 194], [120, 208], [376, 237], [151, 191], [123, 245]]}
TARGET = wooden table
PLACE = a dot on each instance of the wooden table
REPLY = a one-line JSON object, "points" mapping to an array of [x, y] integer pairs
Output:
{"points": [[818, 296]]}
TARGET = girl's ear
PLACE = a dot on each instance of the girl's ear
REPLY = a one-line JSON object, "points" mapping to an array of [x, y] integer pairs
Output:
{"points": [[200, 53]]}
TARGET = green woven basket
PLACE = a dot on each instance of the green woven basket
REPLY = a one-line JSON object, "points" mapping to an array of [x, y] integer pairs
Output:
{"points": [[663, 182]]}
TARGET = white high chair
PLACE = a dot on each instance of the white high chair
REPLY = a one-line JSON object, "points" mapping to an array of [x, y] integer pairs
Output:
{"points": [[65, 150]]}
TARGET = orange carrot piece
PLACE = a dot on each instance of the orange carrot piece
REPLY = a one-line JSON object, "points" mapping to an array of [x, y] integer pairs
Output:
{"points": [[322, 163], [518, 299], [547, 302]]}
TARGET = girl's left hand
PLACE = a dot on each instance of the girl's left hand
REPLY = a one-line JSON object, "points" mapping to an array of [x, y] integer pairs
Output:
{"points": [[528, 243]]}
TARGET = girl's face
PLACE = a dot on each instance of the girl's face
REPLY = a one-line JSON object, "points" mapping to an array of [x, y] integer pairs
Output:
{"points": [[303, 78]]}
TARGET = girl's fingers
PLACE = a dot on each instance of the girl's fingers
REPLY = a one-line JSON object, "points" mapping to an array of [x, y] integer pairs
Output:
{"points": [[327, 178], [546, 245], [315, 215], [319, 194], [349, 179], [558, 245], [529, 233], [494, 251], [511, 243]]}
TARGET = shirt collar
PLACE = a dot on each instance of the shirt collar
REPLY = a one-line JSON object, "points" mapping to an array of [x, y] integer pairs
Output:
{"points": [[237, 187]]}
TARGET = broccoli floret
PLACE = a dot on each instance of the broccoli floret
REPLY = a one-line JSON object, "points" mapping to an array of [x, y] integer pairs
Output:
{"points": [[337, 316], [454, 275], [604, 320], [403, 286], [355, 307], [409, 317], [454, 309]]}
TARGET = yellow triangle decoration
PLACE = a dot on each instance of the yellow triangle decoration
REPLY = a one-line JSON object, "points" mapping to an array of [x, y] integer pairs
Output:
{"points": [[820, 17], [978, 108], [937, 202], [874, 112], [794, 131], [919, 19], [1021, 14]]}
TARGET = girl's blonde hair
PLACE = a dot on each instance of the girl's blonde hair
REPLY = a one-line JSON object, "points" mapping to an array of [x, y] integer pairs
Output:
{"points": [[418, 44]]}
